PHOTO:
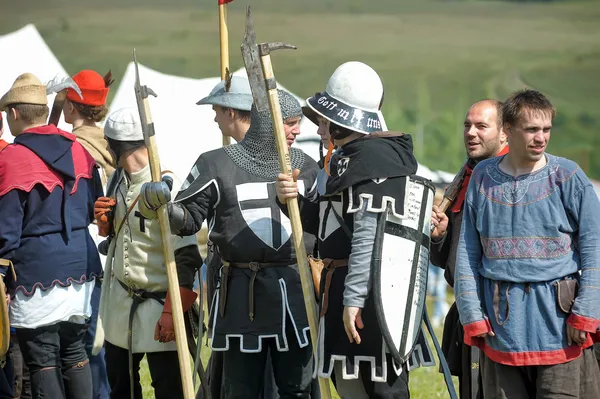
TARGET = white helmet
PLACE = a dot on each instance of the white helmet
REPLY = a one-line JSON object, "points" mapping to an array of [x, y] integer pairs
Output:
{"points": [[352, 99]]}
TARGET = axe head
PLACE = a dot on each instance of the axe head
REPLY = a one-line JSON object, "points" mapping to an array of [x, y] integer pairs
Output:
{"points": [[251, 57], [59, 84]]}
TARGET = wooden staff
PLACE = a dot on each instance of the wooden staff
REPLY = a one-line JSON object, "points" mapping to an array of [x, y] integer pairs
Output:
{"points": [[142, 93], [224, 45], [294, 213]]}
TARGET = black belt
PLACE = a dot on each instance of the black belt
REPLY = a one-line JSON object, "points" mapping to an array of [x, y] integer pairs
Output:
{"points": [[255, 267], [138, 296]]}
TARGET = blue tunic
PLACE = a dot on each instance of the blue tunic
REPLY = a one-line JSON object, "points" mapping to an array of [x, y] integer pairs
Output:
{"points": [[519, 236], [48, 186]]}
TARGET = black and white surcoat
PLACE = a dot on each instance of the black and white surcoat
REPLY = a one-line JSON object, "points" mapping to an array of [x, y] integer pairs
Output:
{"points": [[246, 225], [368, 177]]}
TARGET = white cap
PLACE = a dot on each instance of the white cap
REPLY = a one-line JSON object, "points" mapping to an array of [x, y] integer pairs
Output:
{"points": [[124, 125]]}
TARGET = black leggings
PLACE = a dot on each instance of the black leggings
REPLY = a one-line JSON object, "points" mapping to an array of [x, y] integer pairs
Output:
{"points": [[57, 361], [163, 366]]}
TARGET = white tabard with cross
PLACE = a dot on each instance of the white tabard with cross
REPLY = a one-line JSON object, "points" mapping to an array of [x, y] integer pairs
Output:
{"points": [[259, 208]]}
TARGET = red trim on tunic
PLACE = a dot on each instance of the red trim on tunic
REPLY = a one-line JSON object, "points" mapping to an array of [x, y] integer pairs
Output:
{"points": [[540, 358], [544, 358], [583, 323], [22, 169], [476, 328], [3, 144]]}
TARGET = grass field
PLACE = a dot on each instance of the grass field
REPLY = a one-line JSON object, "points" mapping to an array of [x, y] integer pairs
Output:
{"points": [[435, 57], [425, 383]]}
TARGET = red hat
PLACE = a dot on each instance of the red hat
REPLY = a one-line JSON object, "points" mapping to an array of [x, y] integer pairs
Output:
{"points": [[93, 87]]}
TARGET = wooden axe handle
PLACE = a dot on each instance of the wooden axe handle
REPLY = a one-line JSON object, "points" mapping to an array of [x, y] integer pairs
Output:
{"points": [[169, 257], [224, 46], [57, 107], [294, 213]]}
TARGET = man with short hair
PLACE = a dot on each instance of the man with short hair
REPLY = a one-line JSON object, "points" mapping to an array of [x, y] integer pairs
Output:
{"points": [[48, 185], [483, 139], [232, 101], [530, 227], [259, 304], [134, 292]]}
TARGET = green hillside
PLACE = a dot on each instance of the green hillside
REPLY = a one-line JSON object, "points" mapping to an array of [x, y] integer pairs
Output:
{"points": [[435, 57]]}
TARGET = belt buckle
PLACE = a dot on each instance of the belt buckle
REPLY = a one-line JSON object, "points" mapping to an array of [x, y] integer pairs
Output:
{"points": [[133, 293], [254, 266]]}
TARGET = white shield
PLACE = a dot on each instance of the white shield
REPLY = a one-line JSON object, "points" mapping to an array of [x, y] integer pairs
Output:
{"points": [[401, 262], [259, 209]]}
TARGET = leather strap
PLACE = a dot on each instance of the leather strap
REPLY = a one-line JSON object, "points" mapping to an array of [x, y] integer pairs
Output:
{"points": [[255, 267], [340, 220], [137, 296], [126, 215], [496, 303], [443, 363], [133, 206], [330, 265], [474, 383], [225, 271]]}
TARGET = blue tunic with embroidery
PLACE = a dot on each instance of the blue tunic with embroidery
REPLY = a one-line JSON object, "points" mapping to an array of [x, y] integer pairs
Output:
{"points": [[519, 236]]}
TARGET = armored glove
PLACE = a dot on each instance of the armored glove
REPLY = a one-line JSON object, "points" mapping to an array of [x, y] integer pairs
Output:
{"points": [[103, 213], [154, 195], [165, 329]]}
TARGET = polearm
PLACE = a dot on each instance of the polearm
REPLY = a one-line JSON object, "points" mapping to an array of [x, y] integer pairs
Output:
{"points": [[141, 94], [257, 60], [453, 188], [224, 46]]}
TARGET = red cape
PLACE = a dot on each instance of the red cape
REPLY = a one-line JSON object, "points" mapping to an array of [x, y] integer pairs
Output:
{"points": [[22, 169]]}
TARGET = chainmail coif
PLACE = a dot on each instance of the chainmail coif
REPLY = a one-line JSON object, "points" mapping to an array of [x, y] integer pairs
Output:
{"points": [[257, 152]]}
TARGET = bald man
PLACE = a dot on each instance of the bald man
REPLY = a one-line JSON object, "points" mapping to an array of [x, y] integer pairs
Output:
{"points": [[484, 138]]}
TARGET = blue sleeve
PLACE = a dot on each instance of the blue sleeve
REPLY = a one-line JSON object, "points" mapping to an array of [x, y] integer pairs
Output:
{"points": [[468, 263], [584, 208], [12, 210]]}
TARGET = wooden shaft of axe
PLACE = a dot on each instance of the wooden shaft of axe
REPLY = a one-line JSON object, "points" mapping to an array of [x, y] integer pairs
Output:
{"points": [[57, 107], [224, 42], [169, 256], [294, 213]]}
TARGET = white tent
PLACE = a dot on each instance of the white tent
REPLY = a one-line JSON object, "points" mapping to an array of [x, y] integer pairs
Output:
{"points": [[30, 54], [185, 130]]}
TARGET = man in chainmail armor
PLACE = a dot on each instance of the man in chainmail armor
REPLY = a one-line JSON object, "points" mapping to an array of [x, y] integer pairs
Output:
{"points": [[259, 302]]}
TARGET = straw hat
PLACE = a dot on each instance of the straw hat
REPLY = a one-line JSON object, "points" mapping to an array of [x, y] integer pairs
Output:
{"points": [[27, 89]]}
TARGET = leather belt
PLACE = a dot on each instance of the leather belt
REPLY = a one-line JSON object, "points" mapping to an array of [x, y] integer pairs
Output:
{"points": [[255, 267], [330, 265], [138, 296]]}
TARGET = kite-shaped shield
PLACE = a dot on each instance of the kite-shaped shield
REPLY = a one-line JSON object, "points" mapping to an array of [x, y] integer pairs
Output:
{"points": [[400, 265]]}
